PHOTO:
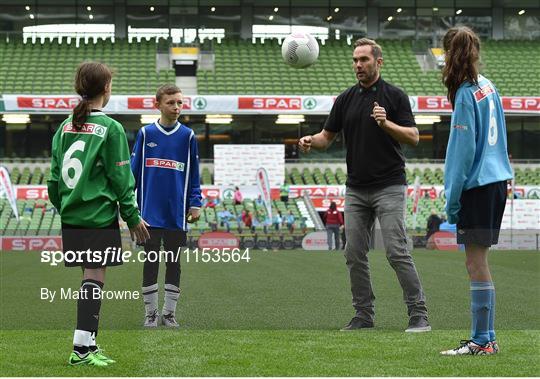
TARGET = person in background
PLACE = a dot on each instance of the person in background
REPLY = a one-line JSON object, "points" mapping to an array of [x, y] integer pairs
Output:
{"points": [[276, 222], [224, 219], [238, 198], [433, 224], [259, 201], [334, 223], [248, 221], [284, 193], [290, 221]]}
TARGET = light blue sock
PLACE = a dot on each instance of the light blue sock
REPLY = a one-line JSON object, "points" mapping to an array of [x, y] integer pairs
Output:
{"points": [[480, 309], [492, 315]]}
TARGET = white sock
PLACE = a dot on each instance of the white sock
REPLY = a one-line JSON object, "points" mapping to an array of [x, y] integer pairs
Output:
{"points": [[150, 297], [172, 293], [81, 338], [93, 339]]}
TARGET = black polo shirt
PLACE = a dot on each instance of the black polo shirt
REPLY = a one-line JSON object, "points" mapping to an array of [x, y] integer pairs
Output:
{"points": [[374, 158]]}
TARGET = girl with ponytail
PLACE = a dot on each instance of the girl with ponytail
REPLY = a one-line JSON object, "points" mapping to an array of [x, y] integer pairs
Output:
{"points": [[90, 183], [476, 172]]}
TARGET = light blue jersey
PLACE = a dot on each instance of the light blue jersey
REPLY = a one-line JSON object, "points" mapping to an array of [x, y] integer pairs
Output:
{"points": [[476, 154]]}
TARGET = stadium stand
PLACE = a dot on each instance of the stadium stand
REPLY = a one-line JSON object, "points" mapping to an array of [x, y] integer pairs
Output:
{"points": [[243, 67], [49, 66], [24, 174], [509, 81], [38, 217]]}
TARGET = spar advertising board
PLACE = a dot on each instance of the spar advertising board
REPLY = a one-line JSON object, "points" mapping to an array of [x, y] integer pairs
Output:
{"points": [[235, 104], [320, 195], [27, 243]]}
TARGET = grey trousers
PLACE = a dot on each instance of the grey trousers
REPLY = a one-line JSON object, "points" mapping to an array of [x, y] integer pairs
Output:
{"points": [[388, 205], [333, 231]]}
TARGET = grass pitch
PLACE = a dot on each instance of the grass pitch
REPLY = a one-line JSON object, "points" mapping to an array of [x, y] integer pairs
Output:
{"points": [[277, 315]]}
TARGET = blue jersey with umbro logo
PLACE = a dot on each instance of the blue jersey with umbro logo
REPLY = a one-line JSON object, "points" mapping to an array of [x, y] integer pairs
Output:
{"points": [[477, 153], [165, 163]]}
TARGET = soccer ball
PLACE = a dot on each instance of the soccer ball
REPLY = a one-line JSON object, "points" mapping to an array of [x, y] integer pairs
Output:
{"points": [[300, 50]]}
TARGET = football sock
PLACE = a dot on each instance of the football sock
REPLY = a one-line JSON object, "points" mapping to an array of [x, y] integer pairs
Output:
{"points": [[172, 273], [150, 273], [172, 293], [492, 336], [150, 297], [480, 309], [93, 344], [81, 341], [88, 305]]}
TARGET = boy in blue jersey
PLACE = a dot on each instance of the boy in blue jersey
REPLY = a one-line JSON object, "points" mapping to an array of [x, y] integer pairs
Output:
{"points": [[165, 163], [476, 172]]}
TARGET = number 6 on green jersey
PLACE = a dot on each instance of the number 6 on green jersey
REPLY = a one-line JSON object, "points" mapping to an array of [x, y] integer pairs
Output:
{"points": [[73, 163]]}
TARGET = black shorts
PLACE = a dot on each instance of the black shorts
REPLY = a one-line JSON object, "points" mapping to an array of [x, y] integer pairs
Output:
{"points": [[481, 214], [79, 240]]}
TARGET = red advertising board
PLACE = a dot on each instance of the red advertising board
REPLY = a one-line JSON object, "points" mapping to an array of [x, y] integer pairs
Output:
{"points": [[521, 104], [141, 102], [42, 102], [269, 103], [32, 192], [322, 204], [31, 243], [315, 241], [433, 103], [316, 191], [443, 241], [147, 103], [218, 240]]}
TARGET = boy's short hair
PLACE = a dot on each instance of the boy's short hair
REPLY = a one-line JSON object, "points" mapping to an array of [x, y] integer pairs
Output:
{"points": [[167, 89]]}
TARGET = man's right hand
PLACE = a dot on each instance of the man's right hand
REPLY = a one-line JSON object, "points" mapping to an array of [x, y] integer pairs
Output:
{"points": [[139, 233], [304, 144]]}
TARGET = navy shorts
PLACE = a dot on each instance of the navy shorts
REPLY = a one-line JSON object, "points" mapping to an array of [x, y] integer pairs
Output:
{"points": [[104, 244], [481, 214]]}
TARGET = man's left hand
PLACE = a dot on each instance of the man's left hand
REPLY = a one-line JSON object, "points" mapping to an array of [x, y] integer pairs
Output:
{"points": [[379, 114], [193, 215]]}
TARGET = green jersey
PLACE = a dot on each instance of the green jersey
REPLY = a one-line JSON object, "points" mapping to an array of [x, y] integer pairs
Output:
{"points": [[91, 175]]}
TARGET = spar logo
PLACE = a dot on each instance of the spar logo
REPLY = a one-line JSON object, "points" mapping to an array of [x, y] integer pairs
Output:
{"points": [[66, 102], [521, 104], [165, 163], [32, 192], [310, 103], [94, 129], [228, 193], [199, 103], [433, 103], [270, 103], [147, 103], [141, 102], [533, 193], [30, 243], [483, 92]]}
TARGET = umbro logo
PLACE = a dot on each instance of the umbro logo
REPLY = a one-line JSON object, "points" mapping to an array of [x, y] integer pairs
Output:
{"points": [[151, 144]]}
